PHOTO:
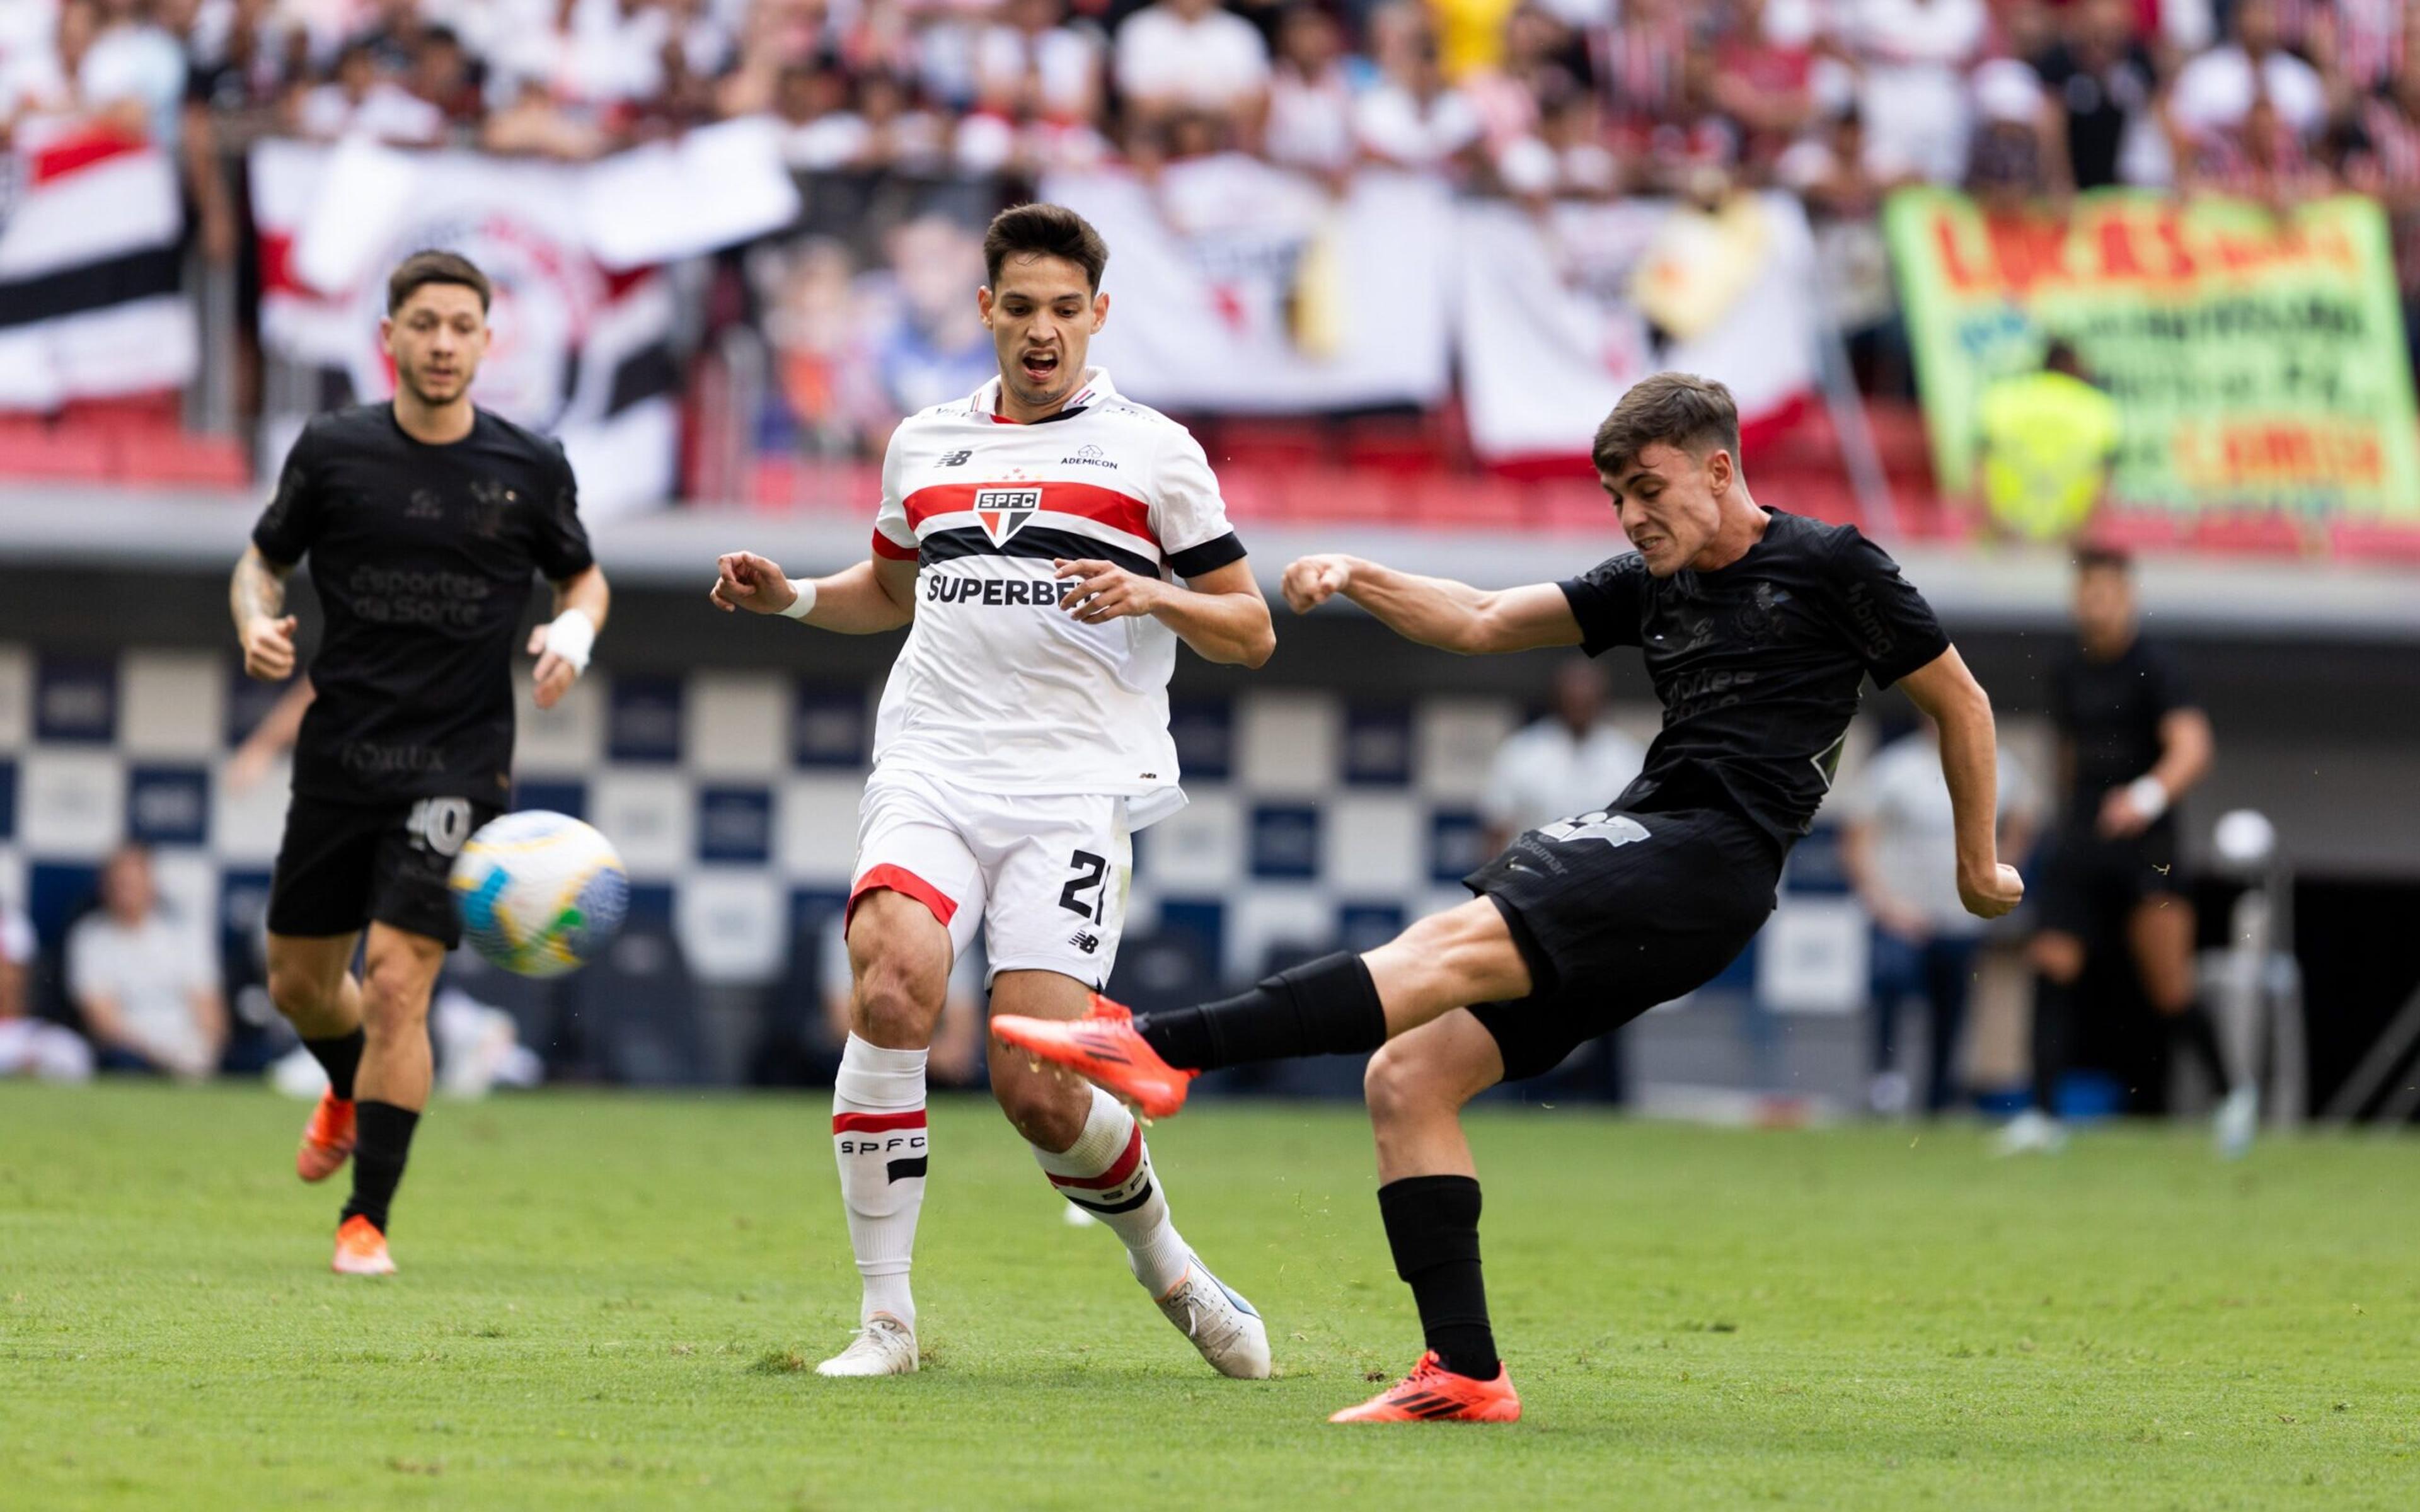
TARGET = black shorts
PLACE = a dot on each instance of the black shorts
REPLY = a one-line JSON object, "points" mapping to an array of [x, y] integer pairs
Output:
{"points": [[2086, 885], [1616, 913], [343, 865]]}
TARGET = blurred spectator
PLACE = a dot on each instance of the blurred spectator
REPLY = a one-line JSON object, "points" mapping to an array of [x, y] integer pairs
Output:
{"points": [[30, 1046], [2214, 93], [144, 980], [1311, 102], [819, 133], [1912, 58], [1765, 78], [359, 102], [1190, 56], [1565, 157], [2102, 89], [2045, 445], [2385, 163], [135, 62], [1411, 117], [1569, 762], [2262, 159], [1900, 845]]}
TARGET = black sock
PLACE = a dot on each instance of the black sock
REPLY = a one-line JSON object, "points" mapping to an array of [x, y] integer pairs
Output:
{"points": [[383, 1136], [340, 1058], [2054, 1006], [1327, 1006], [2200, 1034], [1433, 1227]]}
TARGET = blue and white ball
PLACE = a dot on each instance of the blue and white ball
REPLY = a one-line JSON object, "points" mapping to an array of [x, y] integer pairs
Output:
{"points": [[540, 893]]}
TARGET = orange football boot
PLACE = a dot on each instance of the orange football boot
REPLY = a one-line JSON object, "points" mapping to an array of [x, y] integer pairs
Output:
{"points": [[361, 1249], [1431, 1393], [1103, 1047], [326, 1140]]}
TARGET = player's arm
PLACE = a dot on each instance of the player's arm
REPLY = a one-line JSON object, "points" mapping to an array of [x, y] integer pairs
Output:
{"points": [[1438, 611], [871, 597], [1970, 747], [1221, 614], [257, 599], [2186, 745], [561, 644]]}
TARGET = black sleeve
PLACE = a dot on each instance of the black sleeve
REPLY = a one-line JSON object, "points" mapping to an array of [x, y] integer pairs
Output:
{"points": [[562, 550], [291, 522], [1609, 600], [1209, 556], [1885, 618], [2164, 687]]}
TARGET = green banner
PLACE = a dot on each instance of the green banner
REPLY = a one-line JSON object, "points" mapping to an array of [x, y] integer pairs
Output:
{"points": [[2257, 360]]}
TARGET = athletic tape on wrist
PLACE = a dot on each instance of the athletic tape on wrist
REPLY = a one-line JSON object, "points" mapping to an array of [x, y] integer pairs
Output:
{"points": [[571, 635], [2149, 798], [804, 604]]}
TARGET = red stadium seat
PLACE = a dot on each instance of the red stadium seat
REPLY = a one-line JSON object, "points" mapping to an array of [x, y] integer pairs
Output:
{"points": [[53, 454]]}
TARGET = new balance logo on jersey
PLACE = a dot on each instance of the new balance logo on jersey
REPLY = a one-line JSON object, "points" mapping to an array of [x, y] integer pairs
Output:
{"points": [[1616, 830], [1002, 512], [1085, 940], [1088, 456], [954, 459]]}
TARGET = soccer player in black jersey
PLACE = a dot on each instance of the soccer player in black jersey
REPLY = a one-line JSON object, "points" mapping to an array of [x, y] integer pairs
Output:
{"points": [[2131, 742], [423, 518], [1758, 627]]}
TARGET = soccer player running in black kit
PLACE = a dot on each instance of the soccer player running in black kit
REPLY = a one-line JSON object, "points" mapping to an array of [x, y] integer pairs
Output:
{"points": [[1758, 628], [423, 518], [2131, 742]]}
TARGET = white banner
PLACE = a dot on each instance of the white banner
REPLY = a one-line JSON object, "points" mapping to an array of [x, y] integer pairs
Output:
{"points": [[1241, 288], [90, 304], [581, 335], [1559, 315]]}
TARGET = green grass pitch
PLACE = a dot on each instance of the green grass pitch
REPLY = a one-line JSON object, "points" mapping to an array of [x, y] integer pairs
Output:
{"points": [[609, 1301]]}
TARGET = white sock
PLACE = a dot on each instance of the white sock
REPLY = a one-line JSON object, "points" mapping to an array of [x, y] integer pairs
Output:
{"points": [[1108, 1172], [878, 1140]]}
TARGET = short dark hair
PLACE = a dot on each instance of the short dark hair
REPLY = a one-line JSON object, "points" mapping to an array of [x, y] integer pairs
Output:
{"points": [[1697, 415], [1044, 230], [432, 265], [2103, 556]]}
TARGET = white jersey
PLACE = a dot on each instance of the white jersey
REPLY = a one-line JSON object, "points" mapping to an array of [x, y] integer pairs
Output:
{"points": [[998, 690]]}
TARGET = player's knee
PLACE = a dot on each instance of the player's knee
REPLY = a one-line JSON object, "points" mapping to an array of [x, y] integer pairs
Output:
{"points": [[394, 998], [2059, 957], [1404, 1083], [301, 992], [1046, 1111], [891, 1007]]}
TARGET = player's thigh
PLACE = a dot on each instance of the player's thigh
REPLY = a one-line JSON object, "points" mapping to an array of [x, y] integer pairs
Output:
{"points": [[327, 865], [1057, 870], [915, 901], [2159, 936], [1466, 954], [899, 958], [411, 884]]}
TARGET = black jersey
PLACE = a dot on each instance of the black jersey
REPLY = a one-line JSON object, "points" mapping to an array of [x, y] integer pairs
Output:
{"points": [[2110, 712], [1758, 665], [422, 557]]}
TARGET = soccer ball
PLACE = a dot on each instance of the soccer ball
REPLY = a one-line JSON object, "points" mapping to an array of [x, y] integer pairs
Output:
{"points": [[540, 893]]}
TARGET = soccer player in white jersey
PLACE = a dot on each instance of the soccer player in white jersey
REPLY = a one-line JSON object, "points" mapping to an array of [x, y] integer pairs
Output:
{"points": [[1034, 536]]}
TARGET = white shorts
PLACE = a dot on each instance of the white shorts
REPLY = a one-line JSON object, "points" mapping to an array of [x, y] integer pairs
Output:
{"points": [[1043, 875]]}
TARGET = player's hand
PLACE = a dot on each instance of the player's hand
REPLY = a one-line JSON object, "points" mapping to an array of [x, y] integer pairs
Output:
{"points": [[1990, 896], [1311, 582], [269, 648], [745, 580], [1104, 590], [554, 675], [2120, 818]]}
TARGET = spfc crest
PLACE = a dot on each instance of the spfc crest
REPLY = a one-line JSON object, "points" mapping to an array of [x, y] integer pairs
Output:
{"points": [[1002, 512]]}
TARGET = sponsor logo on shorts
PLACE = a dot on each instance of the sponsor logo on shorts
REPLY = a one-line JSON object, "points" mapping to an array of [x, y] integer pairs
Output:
{"points": [[1085, 940]]}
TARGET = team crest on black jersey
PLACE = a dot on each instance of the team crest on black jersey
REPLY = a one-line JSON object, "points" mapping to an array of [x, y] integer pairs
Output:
{"points": [[1002, 512]]}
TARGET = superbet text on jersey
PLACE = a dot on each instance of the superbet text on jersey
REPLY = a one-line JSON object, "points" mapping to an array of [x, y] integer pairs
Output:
{"points": [[998, 689]]}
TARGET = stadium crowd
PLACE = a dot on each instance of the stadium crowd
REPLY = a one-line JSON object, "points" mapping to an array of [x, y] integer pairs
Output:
{"points": [[1837, 99]]}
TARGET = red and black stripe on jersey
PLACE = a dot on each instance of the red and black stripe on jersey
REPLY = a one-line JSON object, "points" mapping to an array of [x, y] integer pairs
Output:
{"points": [[1121, 512]]}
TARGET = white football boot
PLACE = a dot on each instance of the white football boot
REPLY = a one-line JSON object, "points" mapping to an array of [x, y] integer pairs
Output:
{"points": [[884, 1347], [2031, 1131], [1221, 1324], [2237, 1120]]}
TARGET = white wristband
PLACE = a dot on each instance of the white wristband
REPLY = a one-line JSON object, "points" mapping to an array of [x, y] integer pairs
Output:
{"points": [[2149, 797], [804, 604], [571, 635]]}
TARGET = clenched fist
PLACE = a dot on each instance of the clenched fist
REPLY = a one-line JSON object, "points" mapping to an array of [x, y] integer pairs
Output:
{"points": [[1311, 582]]}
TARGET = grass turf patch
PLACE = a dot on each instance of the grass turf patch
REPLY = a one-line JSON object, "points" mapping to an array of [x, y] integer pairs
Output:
{"points": [[616, 1301]]}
